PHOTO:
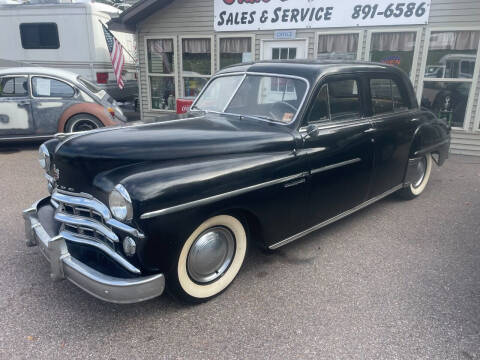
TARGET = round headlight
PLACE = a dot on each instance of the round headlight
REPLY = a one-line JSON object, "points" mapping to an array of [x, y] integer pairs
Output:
{"points": [[44, 157], [120, 203]]}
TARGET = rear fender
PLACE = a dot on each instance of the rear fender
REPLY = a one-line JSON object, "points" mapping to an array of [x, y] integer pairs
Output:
{"points": [[86, 108]]}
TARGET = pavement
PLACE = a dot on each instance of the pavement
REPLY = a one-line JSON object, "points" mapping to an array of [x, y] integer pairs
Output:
{"points": [[397, 280]]}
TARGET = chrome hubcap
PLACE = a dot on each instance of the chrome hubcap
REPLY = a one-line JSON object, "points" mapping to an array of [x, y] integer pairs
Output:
{"points": [[211, 254], [421, 171], [84, 125]]}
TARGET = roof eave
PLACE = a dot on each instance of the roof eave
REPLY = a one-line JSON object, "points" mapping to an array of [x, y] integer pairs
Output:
{"points": [[129, 19]]}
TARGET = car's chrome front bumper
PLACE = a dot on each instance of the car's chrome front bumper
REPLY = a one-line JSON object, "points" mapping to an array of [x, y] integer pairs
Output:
{"points": [[64, 266]]}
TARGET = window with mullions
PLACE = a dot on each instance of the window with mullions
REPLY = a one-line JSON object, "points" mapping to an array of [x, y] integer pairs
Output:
{"points": [[450, 65], [338, 46], [394, 48], [235, 50], [197, 64], [161, 73]]}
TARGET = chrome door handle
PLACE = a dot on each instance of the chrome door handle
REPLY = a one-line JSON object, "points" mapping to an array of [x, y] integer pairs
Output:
{"points": [[294, 183]]}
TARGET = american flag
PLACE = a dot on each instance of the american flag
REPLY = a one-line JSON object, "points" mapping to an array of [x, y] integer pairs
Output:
{"points": [[116, 55]]}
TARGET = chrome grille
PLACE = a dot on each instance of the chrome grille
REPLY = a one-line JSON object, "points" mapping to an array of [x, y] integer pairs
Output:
{"points": [[84, 215]]}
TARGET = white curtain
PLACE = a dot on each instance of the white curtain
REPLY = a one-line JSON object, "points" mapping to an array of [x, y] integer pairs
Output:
{"points": [[197, 46], [159, 60], [455, 40], [400, 41], [235, 45], [338, 43]]}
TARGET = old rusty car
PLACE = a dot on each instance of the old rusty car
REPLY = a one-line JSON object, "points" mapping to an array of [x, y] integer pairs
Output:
{"points": [[272, 151], [36, 103]]}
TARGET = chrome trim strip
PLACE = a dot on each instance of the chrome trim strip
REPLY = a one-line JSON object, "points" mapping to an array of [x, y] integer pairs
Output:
{"points": [[336, 218], [90, 203], [85, 222], [67, 235], [335, 166], [219, 197], [27, 137]]}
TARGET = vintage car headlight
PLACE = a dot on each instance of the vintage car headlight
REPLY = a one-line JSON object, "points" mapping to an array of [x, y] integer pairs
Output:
{"points": [[120, 203], [44, 157]]}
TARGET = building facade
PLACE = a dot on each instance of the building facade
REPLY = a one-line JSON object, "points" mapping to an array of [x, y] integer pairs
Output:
{"points": [[182, 43]]}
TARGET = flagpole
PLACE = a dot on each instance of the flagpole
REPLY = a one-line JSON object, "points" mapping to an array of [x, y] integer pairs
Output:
{"points": [[124, 48]]}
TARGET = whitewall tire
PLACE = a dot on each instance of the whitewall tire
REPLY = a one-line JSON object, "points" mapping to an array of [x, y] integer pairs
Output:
{"points": [[418, 185], [210, 259]]}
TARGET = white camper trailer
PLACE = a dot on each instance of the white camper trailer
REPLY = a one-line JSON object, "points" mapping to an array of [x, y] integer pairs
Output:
{"points": [[67, 36]]}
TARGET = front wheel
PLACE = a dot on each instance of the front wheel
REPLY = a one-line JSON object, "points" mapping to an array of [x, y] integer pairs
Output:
{"points": [[209, 260], [420, 181]]}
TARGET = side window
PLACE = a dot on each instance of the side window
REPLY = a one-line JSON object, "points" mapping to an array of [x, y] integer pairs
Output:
{"points": [[386, 96], [320, 109], [344, 98], [46, 87], [14, 86], [39, 36]]}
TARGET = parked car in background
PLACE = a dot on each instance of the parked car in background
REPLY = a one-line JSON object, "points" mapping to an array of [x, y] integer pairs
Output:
{"points": [[273, 151], [67, 36], [39, 102]]}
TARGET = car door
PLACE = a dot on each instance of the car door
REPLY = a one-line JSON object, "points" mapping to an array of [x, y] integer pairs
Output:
{"points": [[394, 125], [15, 106], [50, 98], [339, 147]]}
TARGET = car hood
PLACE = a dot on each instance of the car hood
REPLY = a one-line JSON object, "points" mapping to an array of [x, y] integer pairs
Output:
{"points": [[81, 157]]}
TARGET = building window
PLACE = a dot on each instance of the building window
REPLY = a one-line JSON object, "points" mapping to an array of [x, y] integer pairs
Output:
{"points": [[161, 73], [196, 64], [39, 36], [338, 46], [394, 48], [451, 60], [235, 50]]}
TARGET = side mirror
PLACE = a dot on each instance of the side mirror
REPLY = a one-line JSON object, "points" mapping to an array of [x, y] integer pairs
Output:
{"points": [[312, 130]]}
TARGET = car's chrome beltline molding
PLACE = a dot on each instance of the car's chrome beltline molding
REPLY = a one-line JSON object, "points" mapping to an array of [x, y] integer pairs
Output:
{"points": [[211, 199], [334, 166], [335, 218]]}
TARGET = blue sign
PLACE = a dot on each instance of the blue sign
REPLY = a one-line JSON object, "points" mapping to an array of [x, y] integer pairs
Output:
{"points": [[285, 35]]}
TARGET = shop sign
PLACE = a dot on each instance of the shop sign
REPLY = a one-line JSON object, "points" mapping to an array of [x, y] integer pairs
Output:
{"points": [[285, 35], [247, 15]]}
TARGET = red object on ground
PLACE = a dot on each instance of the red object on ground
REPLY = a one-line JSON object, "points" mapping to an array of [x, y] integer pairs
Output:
{"points": [[183, 105]]}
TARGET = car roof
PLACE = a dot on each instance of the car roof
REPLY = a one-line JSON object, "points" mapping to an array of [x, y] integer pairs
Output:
{"points": [[66, 75], [309, 69]]}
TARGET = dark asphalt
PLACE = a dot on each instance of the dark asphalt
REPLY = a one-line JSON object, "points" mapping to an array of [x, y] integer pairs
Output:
{"points": [[398, 280]]}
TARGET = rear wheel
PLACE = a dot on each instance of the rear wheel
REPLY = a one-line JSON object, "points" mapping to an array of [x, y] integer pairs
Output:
{"points": [[209, 260], [420, 181], [82, 122]]}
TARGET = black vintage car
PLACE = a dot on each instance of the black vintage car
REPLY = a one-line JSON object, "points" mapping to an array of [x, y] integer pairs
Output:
{"points": [[272, 151]]}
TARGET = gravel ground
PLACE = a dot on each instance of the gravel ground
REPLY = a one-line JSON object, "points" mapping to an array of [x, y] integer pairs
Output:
{"points": [[398, 280]]}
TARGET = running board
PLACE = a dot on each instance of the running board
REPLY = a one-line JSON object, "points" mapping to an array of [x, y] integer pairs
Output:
{"points": [[336, 218]]}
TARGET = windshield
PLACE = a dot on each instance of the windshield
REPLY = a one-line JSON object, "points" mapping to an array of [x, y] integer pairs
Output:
{"points": [[272, 98]]}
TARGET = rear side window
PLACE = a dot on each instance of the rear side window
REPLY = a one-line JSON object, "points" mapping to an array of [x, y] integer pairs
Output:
{"points": [[46, 87], [14, 86], [386, 96], [39, 36]]}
